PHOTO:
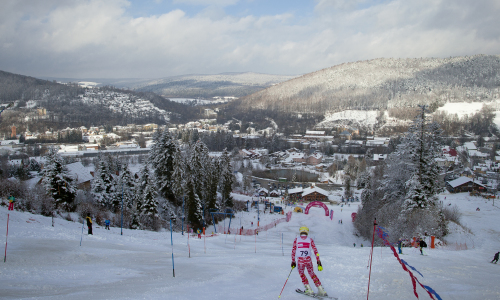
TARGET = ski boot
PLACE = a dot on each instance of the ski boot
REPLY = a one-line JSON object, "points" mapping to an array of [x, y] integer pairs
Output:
{"points": [[321, 291], [308, 290]]}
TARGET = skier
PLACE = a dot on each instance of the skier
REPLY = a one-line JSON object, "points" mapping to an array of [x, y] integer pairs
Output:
{"points": [[11, 202], [303, 245], [107, 222], [422, 244], [89, 223], [495, 258], [399, 246]]}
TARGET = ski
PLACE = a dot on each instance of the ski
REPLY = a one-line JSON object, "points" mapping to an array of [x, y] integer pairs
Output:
{"points": [[315, 295]]}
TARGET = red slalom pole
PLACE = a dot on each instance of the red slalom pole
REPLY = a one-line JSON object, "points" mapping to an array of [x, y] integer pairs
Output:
{"points": [[285, 282], [6, 236], [371, 257]]}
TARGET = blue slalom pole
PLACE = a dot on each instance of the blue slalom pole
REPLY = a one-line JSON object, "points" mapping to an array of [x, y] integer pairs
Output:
{"points": [[82, 232], [172, 243]]}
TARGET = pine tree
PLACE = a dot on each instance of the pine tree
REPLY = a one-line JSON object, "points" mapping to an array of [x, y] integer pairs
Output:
{"points": [[103, 186], [193, 203], [199, 169], [421, 148], [149, 205], [126, 187], [179, 177], [57, 181], [404, 199], [161, 157], [226, 179], [212, 183]]}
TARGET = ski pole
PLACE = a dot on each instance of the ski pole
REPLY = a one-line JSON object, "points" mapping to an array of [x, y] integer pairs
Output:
{"points": [[82, 232], [6, 236], [285, 282]]}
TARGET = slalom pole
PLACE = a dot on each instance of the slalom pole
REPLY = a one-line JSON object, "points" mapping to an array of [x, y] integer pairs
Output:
{"points": [[285, 282], [81, 238], [6, 236], [371, 257], [172, 243], [189, 247]]}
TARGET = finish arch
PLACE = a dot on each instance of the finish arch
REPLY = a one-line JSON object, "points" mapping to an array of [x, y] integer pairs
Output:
{"points": [[317, 204]]}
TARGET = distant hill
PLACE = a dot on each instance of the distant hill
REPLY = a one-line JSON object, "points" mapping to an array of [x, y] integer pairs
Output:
{"points": [[383, 83], [207, 86], [72, 105], [19, 87]]}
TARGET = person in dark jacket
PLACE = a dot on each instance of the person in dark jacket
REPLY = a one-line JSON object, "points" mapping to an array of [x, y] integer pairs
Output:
{"points": [[495, 258], [89, 223], [400, 244], [422, 244]]}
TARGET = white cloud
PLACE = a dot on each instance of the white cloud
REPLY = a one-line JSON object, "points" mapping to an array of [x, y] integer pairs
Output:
{"points": [[208, 2], [99, 38]]}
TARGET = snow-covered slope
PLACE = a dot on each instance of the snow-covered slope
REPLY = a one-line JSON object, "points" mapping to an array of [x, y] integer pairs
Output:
{"points": [[45, 262], [382, 83], [353, 118]]}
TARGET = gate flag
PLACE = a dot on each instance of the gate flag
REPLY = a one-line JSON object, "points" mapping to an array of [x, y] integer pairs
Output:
{"points": [[383, 235]]}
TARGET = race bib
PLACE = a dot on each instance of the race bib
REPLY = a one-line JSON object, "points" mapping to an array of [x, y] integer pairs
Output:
{"points": [[304, 247]]}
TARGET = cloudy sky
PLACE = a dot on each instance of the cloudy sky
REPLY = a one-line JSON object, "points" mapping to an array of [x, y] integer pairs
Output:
{"points": [[159, 38]]}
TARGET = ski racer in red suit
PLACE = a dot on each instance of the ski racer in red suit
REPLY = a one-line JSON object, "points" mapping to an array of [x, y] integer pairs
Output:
{"points": [[303, 247]]}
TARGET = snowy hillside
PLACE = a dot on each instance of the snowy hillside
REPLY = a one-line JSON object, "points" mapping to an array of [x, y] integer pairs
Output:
{"points": [[122, 103], [385, 83], [462, 109], [48, 262], [207, 86], [353, 118]]}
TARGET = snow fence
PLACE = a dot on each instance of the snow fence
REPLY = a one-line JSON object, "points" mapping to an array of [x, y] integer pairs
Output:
{"points": [[254, 231]]}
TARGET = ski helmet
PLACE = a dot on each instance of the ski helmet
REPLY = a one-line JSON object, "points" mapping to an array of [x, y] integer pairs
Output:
{"points": [[304, 229]]}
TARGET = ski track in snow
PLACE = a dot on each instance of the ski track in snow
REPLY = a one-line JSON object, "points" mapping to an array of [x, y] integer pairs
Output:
{"points": [[45, 262]]}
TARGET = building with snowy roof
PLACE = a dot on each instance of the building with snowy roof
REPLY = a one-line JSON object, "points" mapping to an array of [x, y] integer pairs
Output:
{"points": [[80, 174], [314, 193], [464, 184]]}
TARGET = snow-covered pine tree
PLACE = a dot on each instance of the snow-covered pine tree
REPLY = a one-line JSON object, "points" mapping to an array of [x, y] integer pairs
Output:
{"points": [[212, 183], [404, 200], [58, 182], [422, 147], [126, 187], [161, 157], [140, 185], [226, 179], [199, 161], [193, 203], [179, 177], [149, 205], [102, 185]]}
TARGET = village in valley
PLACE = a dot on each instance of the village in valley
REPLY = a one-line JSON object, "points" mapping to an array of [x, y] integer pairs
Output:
{"points": [[266, 162]]}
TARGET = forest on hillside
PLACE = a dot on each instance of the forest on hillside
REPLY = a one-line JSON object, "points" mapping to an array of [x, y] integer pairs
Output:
{"points": [[384, 84]]}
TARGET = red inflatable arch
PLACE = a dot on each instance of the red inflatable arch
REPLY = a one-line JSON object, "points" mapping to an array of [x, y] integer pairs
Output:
{"points": [[317, 204]]}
